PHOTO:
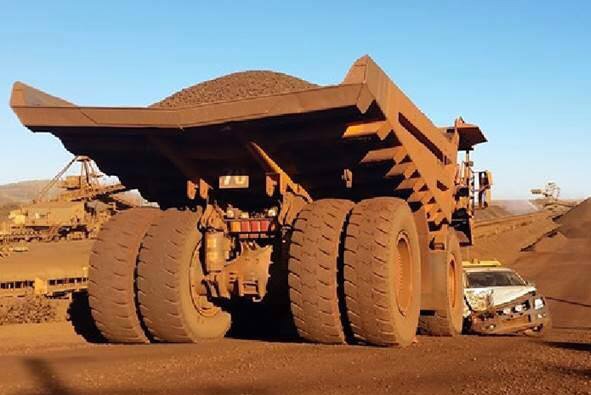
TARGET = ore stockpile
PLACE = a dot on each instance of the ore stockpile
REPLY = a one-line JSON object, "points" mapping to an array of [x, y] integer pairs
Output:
{"points": [[235, 86], [559, 264]]}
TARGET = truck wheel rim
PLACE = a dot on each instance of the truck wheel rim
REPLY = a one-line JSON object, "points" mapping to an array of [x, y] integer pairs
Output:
{"points": [[404, 273], [451, 281], [201, 302]]}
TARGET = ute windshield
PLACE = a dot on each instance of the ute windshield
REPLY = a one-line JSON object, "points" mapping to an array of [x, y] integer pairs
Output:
{"points": [[494, 279]]}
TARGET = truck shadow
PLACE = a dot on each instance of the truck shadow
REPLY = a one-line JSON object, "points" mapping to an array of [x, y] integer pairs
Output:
{"points": [[45, 377], [572, 372], [48, 382], [81, 318], [558, 300], [570, 345], [250, 321]]}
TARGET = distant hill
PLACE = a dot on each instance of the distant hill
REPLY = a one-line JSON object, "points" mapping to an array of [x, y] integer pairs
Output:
{"points": [[15, 194], [20, 192]]}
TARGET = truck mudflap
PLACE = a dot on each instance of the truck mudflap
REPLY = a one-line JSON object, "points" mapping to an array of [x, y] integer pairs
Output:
{"points": [[519, 315]]}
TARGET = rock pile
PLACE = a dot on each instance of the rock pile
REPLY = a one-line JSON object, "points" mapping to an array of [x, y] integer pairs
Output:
{"points": [[235, 86]]}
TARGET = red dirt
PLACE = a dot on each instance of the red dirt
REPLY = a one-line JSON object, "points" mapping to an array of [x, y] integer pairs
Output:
{"points": [[45, 260], [31, 309], [576, 223], [235, 86], [51, 359], [563, 276], [491, 212], [559, 263], [553, 242], [561, 267], [505, 243]]}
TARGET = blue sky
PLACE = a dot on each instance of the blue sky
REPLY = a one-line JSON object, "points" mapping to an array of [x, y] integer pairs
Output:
{"points": [[519, 69]]}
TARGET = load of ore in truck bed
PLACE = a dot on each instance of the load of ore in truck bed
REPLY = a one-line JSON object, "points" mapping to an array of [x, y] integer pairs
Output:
{"points": [[235, 86]]}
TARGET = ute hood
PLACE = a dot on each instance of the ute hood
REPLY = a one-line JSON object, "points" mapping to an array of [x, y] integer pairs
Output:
{"points": [[502, 295]]}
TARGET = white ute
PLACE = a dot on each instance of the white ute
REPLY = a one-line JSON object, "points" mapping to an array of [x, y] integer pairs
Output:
{"points": [[500, 301]]}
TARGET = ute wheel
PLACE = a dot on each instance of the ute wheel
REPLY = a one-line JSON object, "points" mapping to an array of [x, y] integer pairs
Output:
{"points": [[315, 265], [449, 321], [538, 331], [169, 264], [382, 272], [111, 276]]}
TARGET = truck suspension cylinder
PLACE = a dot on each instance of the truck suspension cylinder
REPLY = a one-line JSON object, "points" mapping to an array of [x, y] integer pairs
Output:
{"points": [[215, 252]]}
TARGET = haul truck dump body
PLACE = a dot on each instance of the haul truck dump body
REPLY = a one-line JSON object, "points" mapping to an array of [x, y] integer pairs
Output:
{"points": [[352, 183]]}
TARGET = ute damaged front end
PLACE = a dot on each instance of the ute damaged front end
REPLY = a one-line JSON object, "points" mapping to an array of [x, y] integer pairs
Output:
{"points": [[527, 314]]}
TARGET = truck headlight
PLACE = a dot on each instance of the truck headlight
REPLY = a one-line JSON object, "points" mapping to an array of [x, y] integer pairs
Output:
{"points": [[538, 303]]}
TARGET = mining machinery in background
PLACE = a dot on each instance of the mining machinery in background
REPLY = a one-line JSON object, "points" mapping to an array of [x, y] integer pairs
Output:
{"points": [[69, 207], [551, 191], [549, 198]]}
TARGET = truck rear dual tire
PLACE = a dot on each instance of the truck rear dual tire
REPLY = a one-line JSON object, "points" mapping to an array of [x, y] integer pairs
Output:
{"points": [[112, 272], [382, 272], [169, 270], [448, 321], [315, 270]]}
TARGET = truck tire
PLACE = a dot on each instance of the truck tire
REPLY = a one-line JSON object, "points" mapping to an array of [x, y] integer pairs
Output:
{"points": [[169, 264], [315, 265], [382, 272], [449, 320], [112, 274]]}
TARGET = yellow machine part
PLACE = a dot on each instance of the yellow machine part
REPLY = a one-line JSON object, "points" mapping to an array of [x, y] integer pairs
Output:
{"points": [[479, 263]]}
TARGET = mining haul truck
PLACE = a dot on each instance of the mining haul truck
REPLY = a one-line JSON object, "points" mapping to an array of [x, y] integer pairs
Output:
{"points": [[350, 188]]}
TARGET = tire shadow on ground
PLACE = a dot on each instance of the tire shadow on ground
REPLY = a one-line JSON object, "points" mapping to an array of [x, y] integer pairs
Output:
{"points": [[250, 321], [260, 321], [576, 346], [81, 319], [48, 379]]}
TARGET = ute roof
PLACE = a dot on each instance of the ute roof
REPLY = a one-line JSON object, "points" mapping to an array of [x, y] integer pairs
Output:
{"points": [[487, 269]]}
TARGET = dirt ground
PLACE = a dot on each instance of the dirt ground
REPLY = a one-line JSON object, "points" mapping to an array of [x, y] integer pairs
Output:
{"points": [[43, 260], [51, 359], [506, 244], [32, 309], [47, 260]]}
